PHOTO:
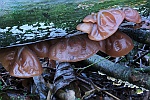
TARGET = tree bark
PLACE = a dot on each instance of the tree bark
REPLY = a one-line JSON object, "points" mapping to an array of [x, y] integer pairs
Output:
{"points": [[119, 71], [139, 35]]}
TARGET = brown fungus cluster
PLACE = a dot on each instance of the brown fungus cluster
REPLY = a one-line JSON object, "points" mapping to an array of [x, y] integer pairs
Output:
{"points": [[102, 27], [24, 61]]}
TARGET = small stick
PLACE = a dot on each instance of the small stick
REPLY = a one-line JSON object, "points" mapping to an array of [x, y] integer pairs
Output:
{"points": [[3, 81]]}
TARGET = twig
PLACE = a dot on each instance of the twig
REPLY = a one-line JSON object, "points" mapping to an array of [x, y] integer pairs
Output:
{"points": [[3, 81], [94, 89], [99, 89], [111, 95], [141, 56]]}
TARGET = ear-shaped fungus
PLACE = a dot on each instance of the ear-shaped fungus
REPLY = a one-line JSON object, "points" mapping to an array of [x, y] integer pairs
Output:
{"points": [[106, 24], [119, 44], [131, 15], [7, 57], [20, 62], [41, 49], [73, 49], [90, 18], [85, 27]]}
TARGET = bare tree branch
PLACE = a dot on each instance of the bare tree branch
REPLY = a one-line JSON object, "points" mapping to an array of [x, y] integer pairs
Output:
{"points": [[119, 71], [139, 35]]}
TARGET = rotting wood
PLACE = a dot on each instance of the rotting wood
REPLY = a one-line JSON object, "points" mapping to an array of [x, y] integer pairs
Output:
{"points": [[139, 35], [119, 71]]}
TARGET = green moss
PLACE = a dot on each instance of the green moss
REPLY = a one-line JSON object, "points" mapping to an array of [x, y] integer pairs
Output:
{"points": [[66, 15]]}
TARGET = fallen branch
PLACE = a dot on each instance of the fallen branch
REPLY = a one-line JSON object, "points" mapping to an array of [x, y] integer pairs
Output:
{"points": [[145, 69], [139, 35], [119, 71]]}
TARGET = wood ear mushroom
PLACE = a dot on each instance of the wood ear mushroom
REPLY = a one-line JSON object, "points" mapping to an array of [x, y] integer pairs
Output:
{"points": [[105, 29], [21, 62], [73, 49], [102, 34]]}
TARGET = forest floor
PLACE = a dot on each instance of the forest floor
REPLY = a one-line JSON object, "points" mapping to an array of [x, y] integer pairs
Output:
{"points": [[84, 83]]}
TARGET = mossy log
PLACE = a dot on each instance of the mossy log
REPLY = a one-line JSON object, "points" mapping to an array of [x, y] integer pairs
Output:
{"points": [[139, 35], [62, 13], [119, 71]]}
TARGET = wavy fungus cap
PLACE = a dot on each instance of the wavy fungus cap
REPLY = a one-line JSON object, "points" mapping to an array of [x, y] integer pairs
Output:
{"points": [[41, 49], [131, 15], [90, 18], [73, 49], [21, 62], [119, 44], [85, 27], [107, 23]]}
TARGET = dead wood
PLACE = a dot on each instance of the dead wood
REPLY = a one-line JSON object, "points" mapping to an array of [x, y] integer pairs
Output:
{"points": [[139, 35], [126, 73]]}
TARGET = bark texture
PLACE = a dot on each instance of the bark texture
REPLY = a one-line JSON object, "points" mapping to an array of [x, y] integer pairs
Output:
{"points": [[139, 35], [119, 71]]}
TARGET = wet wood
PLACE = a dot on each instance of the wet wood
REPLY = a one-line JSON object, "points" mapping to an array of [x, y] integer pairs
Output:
{"points": [[139, 35], [119, 71]]}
